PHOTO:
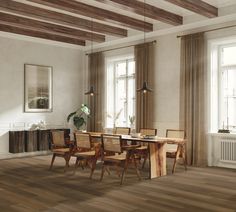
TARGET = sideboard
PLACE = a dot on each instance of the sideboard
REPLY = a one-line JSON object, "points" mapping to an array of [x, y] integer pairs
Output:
{"points": [[32, 140]]}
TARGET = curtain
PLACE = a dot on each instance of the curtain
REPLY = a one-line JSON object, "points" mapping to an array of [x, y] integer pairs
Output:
{"points": [[192, 97], [96, 103], [144, 70]]}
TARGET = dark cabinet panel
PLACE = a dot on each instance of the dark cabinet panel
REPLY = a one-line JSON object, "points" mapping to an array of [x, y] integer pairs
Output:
{"points": [[16, 141], [43, 140], [29, 141]]}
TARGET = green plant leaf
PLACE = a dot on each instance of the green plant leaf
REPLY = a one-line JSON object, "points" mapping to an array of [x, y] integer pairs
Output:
{"points": [[70, 115], [78, 122]]}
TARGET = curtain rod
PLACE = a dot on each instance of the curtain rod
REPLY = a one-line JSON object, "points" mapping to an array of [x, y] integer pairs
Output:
{"points": [[107, 50], [210, 30]]}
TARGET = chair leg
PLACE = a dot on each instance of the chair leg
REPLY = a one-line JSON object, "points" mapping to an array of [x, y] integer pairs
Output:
{"points": [[103, 170], [184, 158], [124, 171], [176, 158], [136, 168], [94, 161], [76, 164], [174, 165], [108, 171], [144, 161], [53, 158], [67, 159]]}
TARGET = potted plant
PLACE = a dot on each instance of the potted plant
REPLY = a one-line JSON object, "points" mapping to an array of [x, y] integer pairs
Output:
{"points": [[79, 116]]}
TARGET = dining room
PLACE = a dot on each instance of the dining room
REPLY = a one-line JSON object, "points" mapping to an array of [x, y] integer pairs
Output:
{"points": [[113, 105]]}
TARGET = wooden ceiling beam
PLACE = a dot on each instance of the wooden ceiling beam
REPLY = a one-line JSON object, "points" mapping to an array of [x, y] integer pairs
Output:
{"points": [[38, 34], [13, 20], [96, 13], [59, 18], [197, 6], [147, 10]]}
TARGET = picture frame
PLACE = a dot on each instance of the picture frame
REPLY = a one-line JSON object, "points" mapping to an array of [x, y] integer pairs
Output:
{"points": [[37, 88]]}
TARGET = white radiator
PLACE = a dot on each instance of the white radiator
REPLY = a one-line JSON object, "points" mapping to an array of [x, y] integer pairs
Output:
{"points": [[227, 150]]}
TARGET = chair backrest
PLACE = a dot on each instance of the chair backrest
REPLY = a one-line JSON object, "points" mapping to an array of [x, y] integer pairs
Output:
{"points": [[111, 143], [83, 140], [58, 138], [172, 133], [122, 130], [148, 131]]}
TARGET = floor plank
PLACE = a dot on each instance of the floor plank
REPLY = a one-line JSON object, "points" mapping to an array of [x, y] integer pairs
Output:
{"points": [[27, 185]]}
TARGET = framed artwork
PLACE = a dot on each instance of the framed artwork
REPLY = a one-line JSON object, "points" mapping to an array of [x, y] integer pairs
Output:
{"points": [[38, 88]]}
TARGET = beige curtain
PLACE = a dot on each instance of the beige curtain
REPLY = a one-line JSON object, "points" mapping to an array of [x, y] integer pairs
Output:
{"points": [[192, 97], [96, 70], [144, 67]]}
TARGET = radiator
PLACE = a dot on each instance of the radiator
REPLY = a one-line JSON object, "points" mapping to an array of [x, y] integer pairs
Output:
{"points": [[227, 150]]}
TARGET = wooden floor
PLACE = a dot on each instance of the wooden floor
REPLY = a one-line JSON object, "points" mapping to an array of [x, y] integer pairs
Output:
{"points": [[27, 185]]}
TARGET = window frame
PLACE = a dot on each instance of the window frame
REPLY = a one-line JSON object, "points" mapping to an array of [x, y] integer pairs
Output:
{"points": [[125, 77], [221, 69]]}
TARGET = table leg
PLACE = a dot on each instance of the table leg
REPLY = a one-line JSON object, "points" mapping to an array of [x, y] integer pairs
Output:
{"points": [[157, 160]]}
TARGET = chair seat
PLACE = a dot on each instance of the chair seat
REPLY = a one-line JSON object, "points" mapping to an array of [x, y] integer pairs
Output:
{"points": [[85, 154], [142, 148], [61, 150], [115, 157]]}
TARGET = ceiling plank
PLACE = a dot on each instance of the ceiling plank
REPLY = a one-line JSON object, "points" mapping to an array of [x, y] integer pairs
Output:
{"points": [[147, 10], [197, 6], [97, 13], [59, 18], [14, 20], [38, 34]]}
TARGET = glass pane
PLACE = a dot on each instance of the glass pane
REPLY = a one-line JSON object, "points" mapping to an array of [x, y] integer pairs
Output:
{"points": [[229, 55], [131, 102], [229, 93], [110, 97], [120, 106], [121, 69], [131, 68]]}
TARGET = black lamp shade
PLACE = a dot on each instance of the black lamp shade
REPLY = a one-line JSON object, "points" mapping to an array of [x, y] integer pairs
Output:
{"points": [[144, 88], [90, 92]]}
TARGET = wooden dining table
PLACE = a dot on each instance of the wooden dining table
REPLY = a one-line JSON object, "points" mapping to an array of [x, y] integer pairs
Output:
{"points": [[157, 151]]}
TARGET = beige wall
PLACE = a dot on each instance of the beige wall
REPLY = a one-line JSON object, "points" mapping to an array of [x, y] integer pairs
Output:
{"points": [[68, 84]]}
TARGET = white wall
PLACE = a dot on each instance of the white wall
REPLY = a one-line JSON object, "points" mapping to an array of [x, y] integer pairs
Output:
{"points": [[167, 77], [167, 83], [68, 84]]}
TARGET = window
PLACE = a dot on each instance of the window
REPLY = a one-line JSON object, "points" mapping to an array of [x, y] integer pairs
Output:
{"points": [[120, 92], [227, 86], [223, 86]]}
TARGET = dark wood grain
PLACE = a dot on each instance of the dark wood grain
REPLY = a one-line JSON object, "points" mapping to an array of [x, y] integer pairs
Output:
{"points": [[148, 10], [26, 23], [197, 6], [37, 34], [27, 185], [59, 18], [31, 141], [97, 13], [16, 141], [43, 140]]}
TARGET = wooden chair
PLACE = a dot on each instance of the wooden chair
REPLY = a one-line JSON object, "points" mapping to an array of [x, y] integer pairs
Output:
{"points": [[59, 147], [112, 155], [143, 151], [122, 130], [176, 149], [84, 151]]}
